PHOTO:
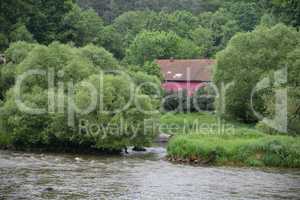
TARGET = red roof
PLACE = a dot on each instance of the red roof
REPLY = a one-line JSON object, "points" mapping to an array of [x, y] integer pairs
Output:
{"points": [[186, 70]]}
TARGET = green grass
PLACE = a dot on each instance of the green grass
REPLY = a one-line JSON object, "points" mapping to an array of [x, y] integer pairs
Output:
{"points": [[240, 144], [175, 124]]}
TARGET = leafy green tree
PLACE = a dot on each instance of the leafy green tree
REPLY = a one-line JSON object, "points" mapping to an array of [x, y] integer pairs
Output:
{"points": [[222, 25], [78, 66], [293, 90], [112, 40], [20, 33], [287, 11], [15, 54], [110, 9], [82, 27], [149, 46], [149, 85], [152, 68], [125, 28], [245, 13], [187, 50], [248, 58], [204, 39], [46, 17], [101, 58], [180, 22], [268, 20]]}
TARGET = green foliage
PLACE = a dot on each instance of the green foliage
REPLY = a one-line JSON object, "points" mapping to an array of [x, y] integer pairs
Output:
{"points": [[100, 58], [223, 26], [109, 10], [3, 42], [20, 33], [247, 147], [148, 84], [180, 22], [268, 20], [293, 92], [116, 93], [182, 123], [246, 14], [152, 68], [82, 27], [181, 101], [15, 54], [18, 51], [78, 66], [204, 99], [112, 40], [149, 46], [204, 39], [248, 58], [187, 50]]}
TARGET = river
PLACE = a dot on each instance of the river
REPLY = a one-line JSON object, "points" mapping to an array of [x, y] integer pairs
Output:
{"points": [[136, 176]]}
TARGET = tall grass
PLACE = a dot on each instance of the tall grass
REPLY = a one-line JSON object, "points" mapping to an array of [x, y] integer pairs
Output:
{"points": [[242, 145], [258, 150]]}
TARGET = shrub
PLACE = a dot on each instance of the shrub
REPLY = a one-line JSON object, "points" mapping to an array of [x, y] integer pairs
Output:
{"points": [[181, 101]]}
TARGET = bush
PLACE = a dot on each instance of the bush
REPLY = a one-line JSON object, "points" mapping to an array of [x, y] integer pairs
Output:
{"points": [[181, 101]]}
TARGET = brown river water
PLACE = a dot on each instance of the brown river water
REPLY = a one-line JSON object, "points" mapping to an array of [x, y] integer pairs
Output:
{"points": [[136, 176]]}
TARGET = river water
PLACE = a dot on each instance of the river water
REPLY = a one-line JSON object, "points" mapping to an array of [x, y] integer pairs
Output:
{"points": [[136, 176]]}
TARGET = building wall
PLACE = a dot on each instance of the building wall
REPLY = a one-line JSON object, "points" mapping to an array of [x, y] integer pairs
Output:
{"points": [[191, 87]]}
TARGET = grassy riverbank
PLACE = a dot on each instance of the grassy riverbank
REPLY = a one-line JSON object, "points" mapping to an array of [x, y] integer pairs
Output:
{"points": [[219, 143]]}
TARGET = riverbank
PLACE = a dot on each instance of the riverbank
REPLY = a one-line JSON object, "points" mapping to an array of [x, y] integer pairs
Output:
{"points": [[213, 142], [7, 143]]}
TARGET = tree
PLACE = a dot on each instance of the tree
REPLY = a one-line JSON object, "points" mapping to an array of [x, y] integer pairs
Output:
{"points": [[101, 58], [15, 54], [179, 22], [125, 28], [42, 19], [248, 58], [111, 9], [149, 46], [72, 69], [20, 33], [152, 68], [204, 39], [222, 25], [245, 13], [82, 27], [293, 90], [112, 40]]}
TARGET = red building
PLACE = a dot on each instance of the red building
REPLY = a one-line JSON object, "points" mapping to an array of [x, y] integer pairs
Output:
{"points": [[187, 75]]}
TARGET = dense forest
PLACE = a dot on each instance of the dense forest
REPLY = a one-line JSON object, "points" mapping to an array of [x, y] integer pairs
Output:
{"points": [[87, 36], [114, 24]]}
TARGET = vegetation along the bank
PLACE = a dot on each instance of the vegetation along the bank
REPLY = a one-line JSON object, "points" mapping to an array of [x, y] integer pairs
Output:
{"points": [[76, 40], [226, 143]]}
